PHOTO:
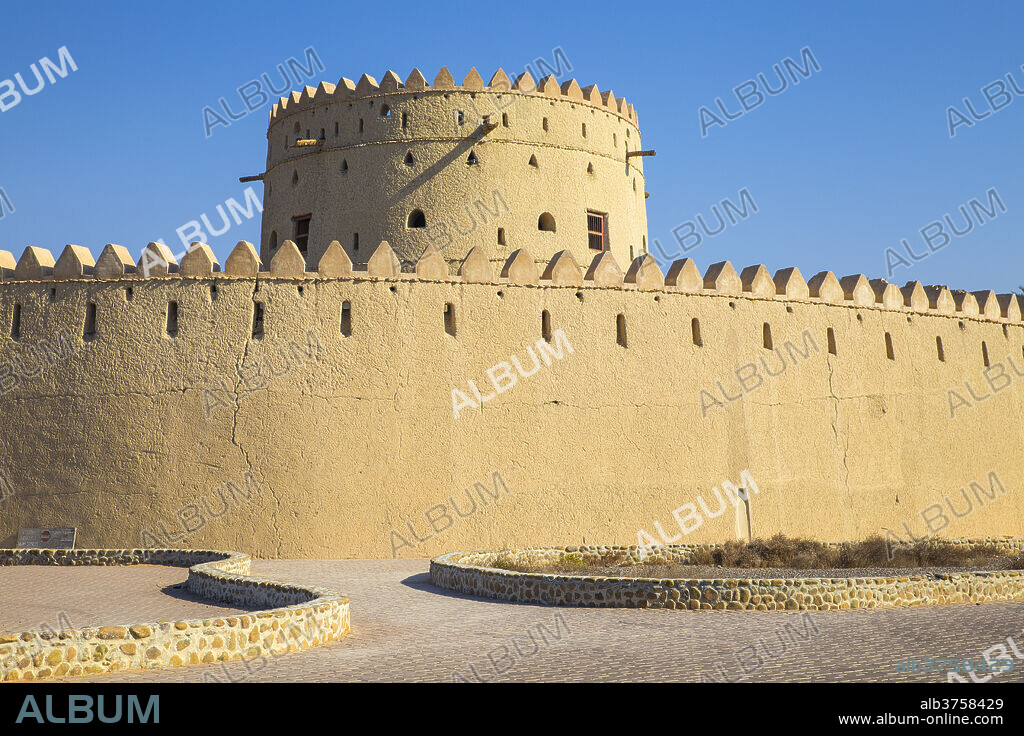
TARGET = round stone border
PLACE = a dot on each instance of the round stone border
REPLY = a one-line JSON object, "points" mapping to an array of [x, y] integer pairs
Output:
{"points": [[469, 572], [295, 617]]}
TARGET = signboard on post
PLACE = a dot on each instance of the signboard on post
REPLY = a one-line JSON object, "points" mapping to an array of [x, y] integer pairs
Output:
{"points": [[52, 538]]}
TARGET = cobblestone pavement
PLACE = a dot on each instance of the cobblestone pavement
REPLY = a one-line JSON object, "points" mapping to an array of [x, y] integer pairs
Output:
{"points": [[404, 629], [34, 597]]}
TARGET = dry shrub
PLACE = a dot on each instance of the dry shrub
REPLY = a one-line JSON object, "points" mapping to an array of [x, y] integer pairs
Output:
{"points": [[569, 562], [703, 556], [948, 555], [877, 552], [505, 561], [655, 562], [871, 552], [806, 554], [781, 551], [778, 551]]}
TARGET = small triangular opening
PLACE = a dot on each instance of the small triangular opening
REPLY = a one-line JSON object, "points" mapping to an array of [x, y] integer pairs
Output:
{"points": [[471, 159], [344, 167], [533, 162], [409, 160], [590, 168]]}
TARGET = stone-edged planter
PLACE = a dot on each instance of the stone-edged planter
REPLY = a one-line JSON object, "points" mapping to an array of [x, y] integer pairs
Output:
{"points": [[295, 617], [468, 572]]}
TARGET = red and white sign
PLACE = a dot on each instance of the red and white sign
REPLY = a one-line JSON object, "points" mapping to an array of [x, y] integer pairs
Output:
{"points": [[52, 538]]}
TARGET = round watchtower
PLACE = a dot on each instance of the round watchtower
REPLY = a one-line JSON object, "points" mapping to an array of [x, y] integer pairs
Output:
{"points": [[506, 165]]}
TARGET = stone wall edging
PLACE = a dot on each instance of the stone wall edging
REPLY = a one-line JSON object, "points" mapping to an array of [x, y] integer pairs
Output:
{"points": [[463, 572], [292, 617]]}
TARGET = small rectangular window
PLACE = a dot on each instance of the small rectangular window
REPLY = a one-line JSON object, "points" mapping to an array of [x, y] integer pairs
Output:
{"points": [[346, 319], [830, 336], [90, 321], [449, 319], [889, 352], [597, 230], [16, 322], [172, 319], [301, 237], [257, 320]]}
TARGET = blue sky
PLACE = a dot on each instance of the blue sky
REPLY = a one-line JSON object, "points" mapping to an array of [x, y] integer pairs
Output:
{"points": [[842, 166]]}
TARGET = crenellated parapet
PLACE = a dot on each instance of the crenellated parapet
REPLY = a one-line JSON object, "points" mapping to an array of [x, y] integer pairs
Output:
{"points": [[643, 274], [500, 83]]}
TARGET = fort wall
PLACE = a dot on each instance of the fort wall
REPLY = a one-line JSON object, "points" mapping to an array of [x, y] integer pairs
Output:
{"points": [[301, 415]]}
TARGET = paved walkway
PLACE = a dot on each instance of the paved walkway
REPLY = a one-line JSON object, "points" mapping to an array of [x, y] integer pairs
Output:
{"points": [[404, 629], [33, 597]]}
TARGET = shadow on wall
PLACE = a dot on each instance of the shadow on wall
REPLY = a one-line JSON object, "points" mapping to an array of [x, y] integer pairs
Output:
{"points": [[459, 152]]}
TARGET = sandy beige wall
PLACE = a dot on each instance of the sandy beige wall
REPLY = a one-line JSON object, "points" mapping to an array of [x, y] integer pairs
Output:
{"points": [[464, 205], [361, 440]]}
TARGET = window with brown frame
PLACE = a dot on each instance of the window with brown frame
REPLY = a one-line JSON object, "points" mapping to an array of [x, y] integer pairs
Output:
{"points": [[597, 230], [302, 232]]}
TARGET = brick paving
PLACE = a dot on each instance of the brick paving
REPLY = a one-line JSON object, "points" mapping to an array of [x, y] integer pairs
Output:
{"points": [[406, 630], [36, 597]]}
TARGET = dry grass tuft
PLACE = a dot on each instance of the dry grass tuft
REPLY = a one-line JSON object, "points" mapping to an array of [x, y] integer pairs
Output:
{"points": [[505, 561]]}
